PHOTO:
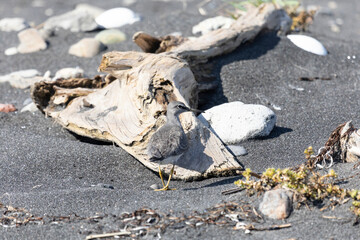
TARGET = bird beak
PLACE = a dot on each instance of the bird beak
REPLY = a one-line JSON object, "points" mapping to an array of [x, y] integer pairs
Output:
{"points": [[195, 110]]}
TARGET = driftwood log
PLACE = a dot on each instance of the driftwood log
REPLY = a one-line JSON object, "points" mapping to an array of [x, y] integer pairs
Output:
{"points": [[128, 105]]}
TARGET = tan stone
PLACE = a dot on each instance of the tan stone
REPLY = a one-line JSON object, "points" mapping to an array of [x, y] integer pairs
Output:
{"points": [[31, 41], [87, 47]]}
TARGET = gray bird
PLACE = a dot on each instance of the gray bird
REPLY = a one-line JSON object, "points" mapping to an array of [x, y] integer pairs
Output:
{"points": [[170, 141]]}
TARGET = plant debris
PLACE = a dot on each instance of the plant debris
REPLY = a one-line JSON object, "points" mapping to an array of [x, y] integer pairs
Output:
{"points": [[148, 222], [306, 183], [16, 217], [300, 19]]}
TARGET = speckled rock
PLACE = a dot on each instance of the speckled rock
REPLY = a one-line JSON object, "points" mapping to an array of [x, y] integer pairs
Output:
{"points": [[277, 204]]}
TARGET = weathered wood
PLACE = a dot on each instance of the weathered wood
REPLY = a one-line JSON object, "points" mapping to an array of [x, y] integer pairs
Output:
{"points": [[197, 51], [349, 143], [129, 109], [224, 40]]}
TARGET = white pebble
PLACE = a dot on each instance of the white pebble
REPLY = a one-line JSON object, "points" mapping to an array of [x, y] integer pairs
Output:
{"points": [[308, 44], [117, 17], [235, 121], [237, 150], [11, 51], [49, 12]]}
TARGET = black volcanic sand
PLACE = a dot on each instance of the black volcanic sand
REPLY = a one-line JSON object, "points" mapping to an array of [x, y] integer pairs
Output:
{"points": [[51, 172]]}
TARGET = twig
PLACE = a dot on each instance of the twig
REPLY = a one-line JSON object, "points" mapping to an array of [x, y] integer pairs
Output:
{"points": [[346, 178], [331, 217], [253, 228], [273, 227], [104, 235], [233, 190]]}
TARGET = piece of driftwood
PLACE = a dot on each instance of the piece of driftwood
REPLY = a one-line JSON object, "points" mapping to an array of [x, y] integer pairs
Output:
{"points": [[350, 143], [343, 145], [128, 105]]}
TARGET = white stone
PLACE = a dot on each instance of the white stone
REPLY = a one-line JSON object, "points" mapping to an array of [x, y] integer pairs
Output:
{"points": [[276, 204], [78, 20], [308, 44], [49, 12], [235, 121], [31, 107], [11, 51], [117, 17], [13, 24], [23, 73], [66, 73], [87, 47], [237, 150], [212, 24], [22, 79], [47, 75]]}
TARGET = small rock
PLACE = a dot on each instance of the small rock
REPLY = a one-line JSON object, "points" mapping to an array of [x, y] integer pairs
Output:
{"points": [[117, 17], [237, 150], [31, 41], [277, 204], [38, 3], [49, 12], [67, 73], [6, 108], [31, 107], [13, 24], [47, 75], [334, 28], [22, 79], [87, 47], [78, 20], [212, 24], [110, 36], [235, 122], [11, 51], [339, 21], [332, 5]]}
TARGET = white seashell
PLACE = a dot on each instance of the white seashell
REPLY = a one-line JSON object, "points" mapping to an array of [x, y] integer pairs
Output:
{"points": [[116, 17], [308, 44]]}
